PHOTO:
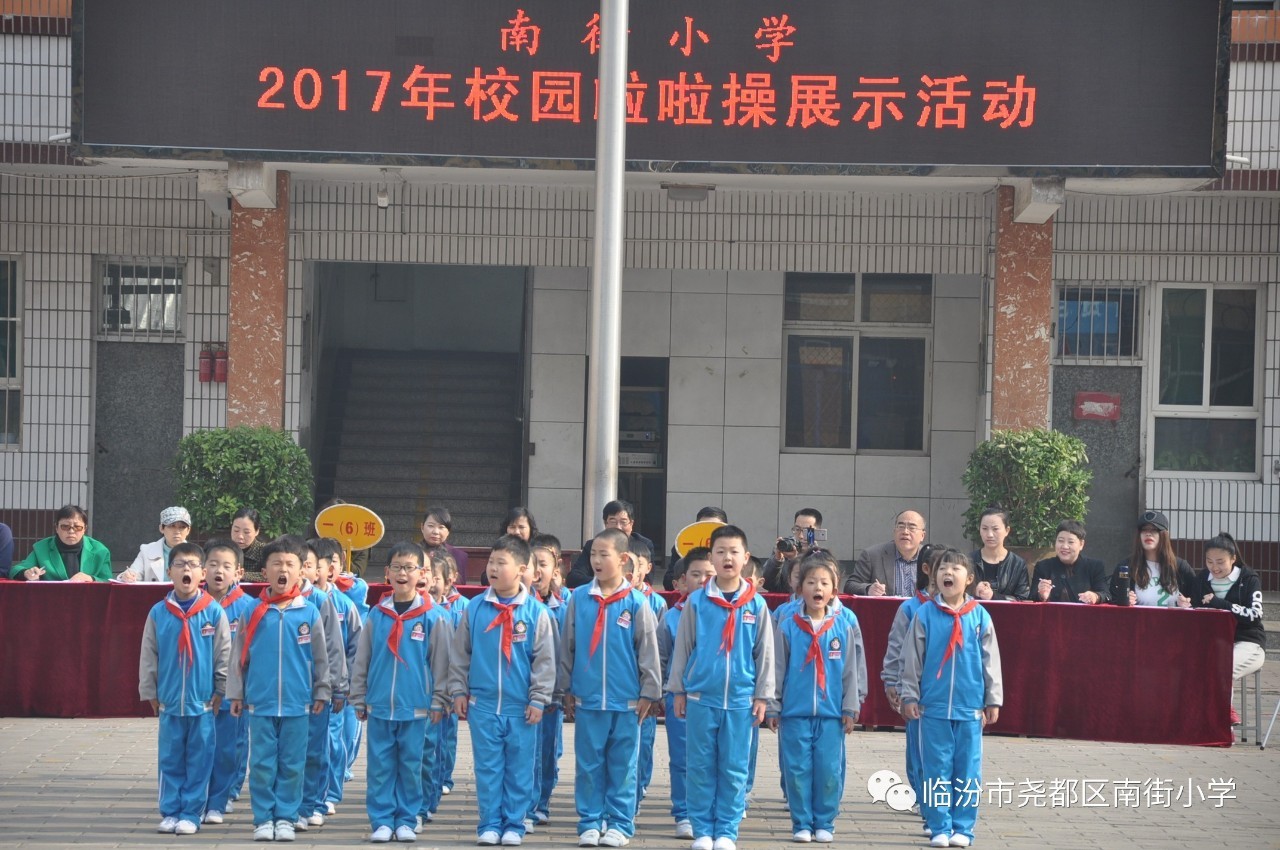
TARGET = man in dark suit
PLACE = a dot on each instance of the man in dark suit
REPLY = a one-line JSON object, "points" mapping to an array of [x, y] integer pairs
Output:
{"points": [[890, 568], [619, 514]]}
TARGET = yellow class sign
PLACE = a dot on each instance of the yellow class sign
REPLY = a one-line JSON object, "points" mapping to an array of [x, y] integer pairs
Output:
{"points": [[695, 535], [354, 526]]}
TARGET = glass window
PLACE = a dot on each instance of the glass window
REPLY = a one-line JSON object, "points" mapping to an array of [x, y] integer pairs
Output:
{"points": [[1206, 445], [1097, 321], [891, 393], [899, 298], [141, 300], [10, 354], [820, 297], [819, 392], [1231, 362], [1182, 313]]}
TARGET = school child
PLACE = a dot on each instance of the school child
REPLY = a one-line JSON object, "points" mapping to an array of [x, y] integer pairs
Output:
{"points": [[328, 562], [501, 677], [690, 573], [280, 676], [453, 604], [547, 585], [398, 687], [642, 559], [722, 677], [951, 683], [891, 670], [351, 585], [1229, 585], [821, 674], [429, 772], [609, 679], [223, 567], [182, 672]]}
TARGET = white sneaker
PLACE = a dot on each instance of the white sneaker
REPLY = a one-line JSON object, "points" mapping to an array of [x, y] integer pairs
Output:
{"points": [[723, 843], [330, 809], [528, 825], [940, 840], [959, 839], [702, 842], [590, 838], [541, 818], [418, 827], [488, 838], [381, 835], [300, 825], [264, 832], [213, 816], [614, 838], [511, 838], [406, 834], [316, 819], [185, 827], [446, 790], [231, 806], [926, 829], [167, 825], [802, 836], [684, 829], [823, 836], [284, 831]]}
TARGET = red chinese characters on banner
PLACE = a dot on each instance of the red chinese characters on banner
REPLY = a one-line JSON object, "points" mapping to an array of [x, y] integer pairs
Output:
{"points": [[636, 90], [494, 91], [1009, 104], [592, 38], [556, 96], [682, 101], [877, 101], [943, 100], [752, 102], [426, 91], [689, 33], [773, 34], [521, 35], [813, 100]]}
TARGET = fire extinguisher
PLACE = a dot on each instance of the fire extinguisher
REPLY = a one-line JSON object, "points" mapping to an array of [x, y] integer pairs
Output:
{"points": [[220, 366], [206, 365]]}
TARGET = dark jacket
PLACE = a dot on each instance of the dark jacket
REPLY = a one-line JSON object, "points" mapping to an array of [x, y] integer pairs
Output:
{"points": [[1243, 599], [1011, 582], [581, 573], [1070, 582], [1120, 596]]}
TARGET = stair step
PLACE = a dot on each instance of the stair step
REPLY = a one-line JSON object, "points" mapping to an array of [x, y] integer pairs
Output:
{"points": [[360, 424], [433, 440], [424, 457], [439, 472], [425, 384]]}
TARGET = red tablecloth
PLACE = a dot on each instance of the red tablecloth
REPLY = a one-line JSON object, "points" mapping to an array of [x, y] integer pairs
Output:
{"points": [[1070, 671]]}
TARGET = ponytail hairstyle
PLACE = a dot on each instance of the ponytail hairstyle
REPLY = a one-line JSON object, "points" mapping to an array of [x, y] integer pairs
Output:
{"points": [[1227, 544]]}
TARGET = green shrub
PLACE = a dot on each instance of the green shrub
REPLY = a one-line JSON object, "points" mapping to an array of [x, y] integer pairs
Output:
{"points": [[1039, 476], [221, 470]]}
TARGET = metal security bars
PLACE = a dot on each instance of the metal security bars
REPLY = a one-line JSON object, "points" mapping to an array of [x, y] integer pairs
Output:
{"points": [[140, 300], [1098, 324], [10, 355]]}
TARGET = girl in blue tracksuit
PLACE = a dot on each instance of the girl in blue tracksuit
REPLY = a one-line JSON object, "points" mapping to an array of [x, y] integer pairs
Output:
{"points": [[501, 677], [821, 674], [224, 566], [951, 683], [182, 672], [641, 563], [722, 677], [548, 587], [329, 563], [315, 783], [453, 604], [609, 678], [280, 676], [398, 686]]}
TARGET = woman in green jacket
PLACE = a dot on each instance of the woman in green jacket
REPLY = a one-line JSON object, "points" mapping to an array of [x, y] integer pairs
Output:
{"points": [[68, 555]]}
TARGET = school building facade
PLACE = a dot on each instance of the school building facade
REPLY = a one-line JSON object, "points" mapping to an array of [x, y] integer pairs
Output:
{"points": [[838, 342]]}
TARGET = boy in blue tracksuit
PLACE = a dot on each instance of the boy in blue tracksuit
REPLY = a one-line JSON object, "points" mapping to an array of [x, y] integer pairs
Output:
{"points": [[691, 573], [642, 564], [501, 677], [951, 683], [280, 676], [223, 566], [547, 585], [452, 603], [356, 589], [722, 677], [398, 686], [891, 672], [821, 673], [610, 677], [350, 622], [182, 672]]}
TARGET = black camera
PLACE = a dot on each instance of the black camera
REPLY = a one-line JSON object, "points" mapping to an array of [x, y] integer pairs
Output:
{"points": [[787, 545]]}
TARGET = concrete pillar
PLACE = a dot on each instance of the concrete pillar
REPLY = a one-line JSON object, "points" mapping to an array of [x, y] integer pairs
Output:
{"points": [[256, 311], [1023, 313]]}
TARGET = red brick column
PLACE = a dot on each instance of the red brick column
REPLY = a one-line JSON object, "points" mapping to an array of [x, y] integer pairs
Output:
{"points": [[256, 311], [1023, 313]]}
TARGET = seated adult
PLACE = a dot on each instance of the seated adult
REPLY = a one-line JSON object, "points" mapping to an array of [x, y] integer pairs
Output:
{"points": [[710, 512], [776, 571], [890, 568], [1001, 573], [1069, 577], [6, 549], [246, 525], [1229, 585], [1155, 575], [69, 555], [436, 528], [152, 563], [619, 514]]}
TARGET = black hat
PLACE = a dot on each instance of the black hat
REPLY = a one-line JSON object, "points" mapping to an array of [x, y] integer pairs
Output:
{"points": [[1159, 520]]}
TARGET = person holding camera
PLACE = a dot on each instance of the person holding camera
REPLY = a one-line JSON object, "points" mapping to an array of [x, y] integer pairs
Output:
{"points": [[890, 568], [787, 550]]}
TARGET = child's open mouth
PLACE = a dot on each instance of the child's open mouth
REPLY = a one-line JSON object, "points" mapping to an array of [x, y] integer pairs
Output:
{"points": [[282, 582], [186, 581], [948, 582]]}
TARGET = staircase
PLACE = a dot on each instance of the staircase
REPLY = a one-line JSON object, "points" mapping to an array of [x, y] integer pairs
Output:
{"points": [[405, 431]]}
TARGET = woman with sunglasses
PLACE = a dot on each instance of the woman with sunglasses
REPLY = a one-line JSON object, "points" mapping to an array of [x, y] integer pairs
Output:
{"points": [[69, 555]]}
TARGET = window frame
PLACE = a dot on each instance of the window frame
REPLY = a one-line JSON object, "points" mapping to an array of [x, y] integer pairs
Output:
{"points": [[1142, 323], [17, 323], [102, 334], [1205, 410]]}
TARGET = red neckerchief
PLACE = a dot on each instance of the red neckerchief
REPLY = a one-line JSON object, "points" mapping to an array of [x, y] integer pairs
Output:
{"points": [[605, 601], [451, 598], [345, 583], [232, 595], [397, 628], [186, 652], [815, 647], [957, 631], [258, 613], [731, 621], [922, 596], [505, 619], [646, 589], [679, 606]]}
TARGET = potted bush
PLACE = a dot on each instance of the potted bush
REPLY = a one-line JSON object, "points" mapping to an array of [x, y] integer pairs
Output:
{"points": [[221, 470], [1038, 475]]}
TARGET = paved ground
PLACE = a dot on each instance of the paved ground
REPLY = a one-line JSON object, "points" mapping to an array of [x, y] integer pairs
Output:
{"points": [[92, 783]]}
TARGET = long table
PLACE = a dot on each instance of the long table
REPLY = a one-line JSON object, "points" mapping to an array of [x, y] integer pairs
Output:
{"points": [[1088, 672]]}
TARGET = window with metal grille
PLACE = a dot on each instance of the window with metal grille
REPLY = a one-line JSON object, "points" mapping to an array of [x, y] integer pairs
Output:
{"points": [[1098, 323], [842, 345], [140, 300], [10, 355], [1207, 390]]}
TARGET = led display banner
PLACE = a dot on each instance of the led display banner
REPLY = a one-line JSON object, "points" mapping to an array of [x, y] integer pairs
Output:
{"points": [[1087, 87]]}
